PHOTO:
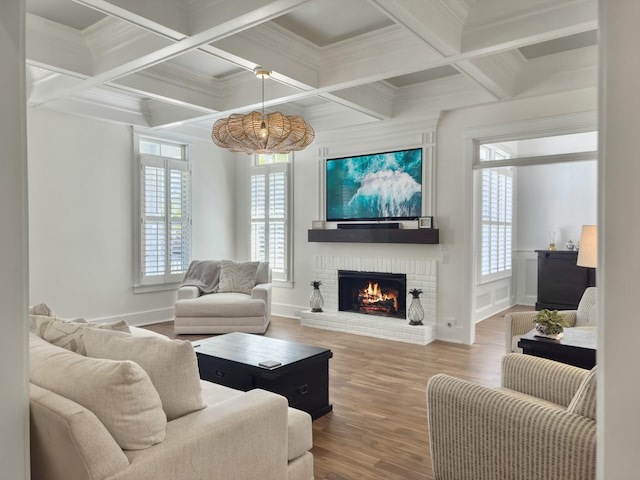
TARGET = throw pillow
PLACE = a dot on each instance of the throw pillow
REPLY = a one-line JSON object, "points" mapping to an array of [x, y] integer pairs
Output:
{"points": [[119, 393], [68, 333], [238, 277], [171, 365], [42, 309]]}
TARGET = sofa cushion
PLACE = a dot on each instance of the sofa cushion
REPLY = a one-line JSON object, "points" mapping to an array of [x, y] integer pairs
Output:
{"points": [[171, 365], [228, 305], [119, 393], [237, 277], [68, 334]]}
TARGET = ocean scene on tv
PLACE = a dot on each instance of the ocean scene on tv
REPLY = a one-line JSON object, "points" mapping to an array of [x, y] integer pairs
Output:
{"points": [[375, 187]]}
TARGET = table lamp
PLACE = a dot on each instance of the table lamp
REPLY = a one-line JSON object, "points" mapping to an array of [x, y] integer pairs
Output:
{"points": [[588, 250]]}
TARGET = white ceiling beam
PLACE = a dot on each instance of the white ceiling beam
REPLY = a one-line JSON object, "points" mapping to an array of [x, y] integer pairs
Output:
{"points": [[558, 19], [436, 21], [102, 110], [270, 47], [209, 35], [161, 16], [372, 100], [495, 73]]}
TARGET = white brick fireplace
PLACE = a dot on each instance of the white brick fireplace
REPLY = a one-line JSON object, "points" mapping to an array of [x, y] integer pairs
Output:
{"points": [[420, 274]]}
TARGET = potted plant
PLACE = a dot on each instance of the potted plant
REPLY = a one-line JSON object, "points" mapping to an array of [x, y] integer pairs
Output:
{"points": [[549, 324]]}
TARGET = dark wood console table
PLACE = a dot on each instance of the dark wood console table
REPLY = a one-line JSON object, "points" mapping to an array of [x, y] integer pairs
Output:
{"points": [[233, 360], [577, 347], [561, 282]]}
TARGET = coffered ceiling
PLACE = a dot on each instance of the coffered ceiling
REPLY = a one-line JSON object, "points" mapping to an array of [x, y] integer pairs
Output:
{"points": [[179, 65]]}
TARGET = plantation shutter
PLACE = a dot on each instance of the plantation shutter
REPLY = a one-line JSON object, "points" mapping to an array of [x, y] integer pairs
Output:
{"points": [[497, 220], [278, 219], [269, 217], [165, 222], [258, 214]]}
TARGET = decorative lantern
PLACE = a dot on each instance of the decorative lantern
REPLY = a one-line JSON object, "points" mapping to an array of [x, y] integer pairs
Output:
{"points": [[415, 312], [316, 302]]}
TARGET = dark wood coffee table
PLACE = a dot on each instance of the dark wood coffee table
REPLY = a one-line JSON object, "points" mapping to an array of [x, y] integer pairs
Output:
{"points": [[303, 374], [577, 347]]}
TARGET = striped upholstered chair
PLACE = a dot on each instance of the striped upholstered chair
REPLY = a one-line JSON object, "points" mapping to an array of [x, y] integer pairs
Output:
{"points": [[518, 323], [540, 424]]}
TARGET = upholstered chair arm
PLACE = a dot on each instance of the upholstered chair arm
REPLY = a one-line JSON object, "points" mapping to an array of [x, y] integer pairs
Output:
{"points": [[552, 381], [517, 323], [569, 317], [262, 291], [479, 433], [188, 292]]}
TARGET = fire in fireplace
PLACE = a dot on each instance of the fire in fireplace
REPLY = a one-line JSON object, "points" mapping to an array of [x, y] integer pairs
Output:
{"points": [[372, 293]]}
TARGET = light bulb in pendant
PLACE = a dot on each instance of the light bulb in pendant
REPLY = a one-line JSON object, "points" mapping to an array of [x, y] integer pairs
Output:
{"points": [[263, 133]]}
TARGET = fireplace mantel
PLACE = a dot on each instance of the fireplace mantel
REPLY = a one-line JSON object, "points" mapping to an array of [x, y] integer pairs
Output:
{"points": [[375, 235]]}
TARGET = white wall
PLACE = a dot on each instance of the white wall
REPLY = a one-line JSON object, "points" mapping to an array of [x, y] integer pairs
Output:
{"points": [[307, 206], [618, 259], [14, 365], [559, 197], [452, 203], [81, 217], [454, 176]]}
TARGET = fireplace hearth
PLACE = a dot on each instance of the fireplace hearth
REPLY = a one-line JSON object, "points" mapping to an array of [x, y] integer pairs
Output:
{"points": [[372, 293]]}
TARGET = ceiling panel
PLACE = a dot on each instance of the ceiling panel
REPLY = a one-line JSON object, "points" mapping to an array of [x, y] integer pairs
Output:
{"points": [[423, 76], [205, 64], [324, 22], [338, 63], [564, 44], [65, 12]]}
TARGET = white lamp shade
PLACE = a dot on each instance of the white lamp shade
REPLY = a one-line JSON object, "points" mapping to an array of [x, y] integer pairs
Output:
{"points": [[588, 252]]}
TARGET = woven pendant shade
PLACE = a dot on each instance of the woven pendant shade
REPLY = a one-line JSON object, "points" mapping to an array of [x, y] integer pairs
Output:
{"points": [[256, 132]]}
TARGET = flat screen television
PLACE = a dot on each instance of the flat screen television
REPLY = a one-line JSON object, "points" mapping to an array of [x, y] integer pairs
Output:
{"points": [[380, 186]]}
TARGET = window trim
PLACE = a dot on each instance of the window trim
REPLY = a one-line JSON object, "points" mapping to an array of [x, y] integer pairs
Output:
{"points": [[490, 165], [167, 281]]}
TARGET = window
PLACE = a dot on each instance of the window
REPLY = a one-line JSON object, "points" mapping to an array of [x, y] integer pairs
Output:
{"points": [[270, 192], [164, 212], [496, 216]]}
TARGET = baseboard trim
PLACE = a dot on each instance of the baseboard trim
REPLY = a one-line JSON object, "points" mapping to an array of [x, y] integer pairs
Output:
{"points": [[287, 311], [138, 319]]}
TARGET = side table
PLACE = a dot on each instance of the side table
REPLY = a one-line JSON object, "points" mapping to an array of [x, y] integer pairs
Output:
{"points": [[577, 347]]}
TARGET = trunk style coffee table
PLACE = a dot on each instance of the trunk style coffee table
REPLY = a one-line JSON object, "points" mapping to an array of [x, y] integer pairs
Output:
{"points": [[577, 347], [245, 361]]}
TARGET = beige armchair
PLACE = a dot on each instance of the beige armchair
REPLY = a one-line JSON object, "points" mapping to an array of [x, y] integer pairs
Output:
{"points": [[518, 323], [221, 296], [540, 424]]}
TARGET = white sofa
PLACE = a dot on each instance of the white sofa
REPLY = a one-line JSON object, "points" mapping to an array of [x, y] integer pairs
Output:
{"points": [[81, 416], [215, 298]]}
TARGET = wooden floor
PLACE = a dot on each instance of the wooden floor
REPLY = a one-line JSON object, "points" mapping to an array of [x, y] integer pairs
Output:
{"points": [[378, 427]]}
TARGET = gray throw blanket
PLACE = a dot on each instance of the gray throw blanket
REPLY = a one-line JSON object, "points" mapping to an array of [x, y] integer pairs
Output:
{"points": [[204, 274]]}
